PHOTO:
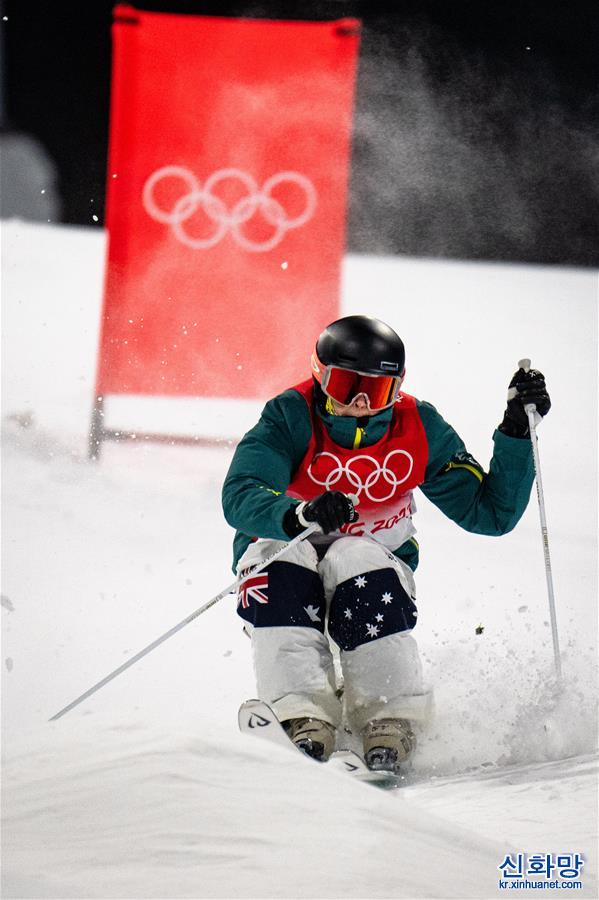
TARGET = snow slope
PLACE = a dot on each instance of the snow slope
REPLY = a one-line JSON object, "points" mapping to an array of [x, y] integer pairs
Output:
{"points": [[148, 789]]}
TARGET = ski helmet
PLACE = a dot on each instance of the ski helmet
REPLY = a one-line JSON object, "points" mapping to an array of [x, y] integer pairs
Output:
{"points": [[363, 344], [359, 345]]}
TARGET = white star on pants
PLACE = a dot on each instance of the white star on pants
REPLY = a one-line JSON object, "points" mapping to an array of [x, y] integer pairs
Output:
{"points": [[360, 581]]}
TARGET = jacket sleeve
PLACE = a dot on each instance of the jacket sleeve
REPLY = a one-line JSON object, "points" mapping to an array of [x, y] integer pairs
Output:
{"points": [[484, 503], [253, 495]]}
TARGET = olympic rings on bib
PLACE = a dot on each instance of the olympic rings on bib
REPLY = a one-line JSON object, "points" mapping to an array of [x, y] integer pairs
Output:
{"points": [[378, 475], [198, 197]]}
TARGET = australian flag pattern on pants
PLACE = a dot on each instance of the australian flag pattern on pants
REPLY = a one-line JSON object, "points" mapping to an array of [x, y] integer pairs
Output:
{"points": [[370, 606], [283, 594], [363, 608]]}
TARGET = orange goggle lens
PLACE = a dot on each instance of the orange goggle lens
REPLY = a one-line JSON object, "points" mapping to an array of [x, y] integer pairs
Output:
{"points": [[343, 385]]}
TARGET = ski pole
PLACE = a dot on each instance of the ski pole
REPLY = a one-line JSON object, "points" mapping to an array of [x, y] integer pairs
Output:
{"points": [[530, 410], [194, 615]]}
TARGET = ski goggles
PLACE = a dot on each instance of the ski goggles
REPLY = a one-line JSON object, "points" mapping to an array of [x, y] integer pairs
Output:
{"points": [[344, 385]]}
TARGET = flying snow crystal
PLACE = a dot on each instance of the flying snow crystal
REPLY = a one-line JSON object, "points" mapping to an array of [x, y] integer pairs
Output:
{"points": [[95, 218], [7, 603], [284, 265]]}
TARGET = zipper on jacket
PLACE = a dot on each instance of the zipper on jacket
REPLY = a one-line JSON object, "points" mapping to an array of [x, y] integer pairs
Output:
{"points": [[360, 434]]}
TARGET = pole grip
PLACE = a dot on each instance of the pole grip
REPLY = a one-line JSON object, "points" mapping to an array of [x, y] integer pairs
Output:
{"points": [[528, 407]]}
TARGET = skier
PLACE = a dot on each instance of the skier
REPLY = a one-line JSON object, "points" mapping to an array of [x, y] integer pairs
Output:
{"points": [[346, 449]]}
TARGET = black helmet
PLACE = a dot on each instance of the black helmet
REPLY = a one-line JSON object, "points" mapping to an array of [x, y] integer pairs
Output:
{"points": [[362, 344]]}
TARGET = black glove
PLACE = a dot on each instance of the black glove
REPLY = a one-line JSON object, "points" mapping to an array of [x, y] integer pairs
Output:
{"points": [[331, 510], [530, 388]]}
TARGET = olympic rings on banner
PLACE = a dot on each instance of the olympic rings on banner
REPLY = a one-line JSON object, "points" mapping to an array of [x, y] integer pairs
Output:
{"points": [[358, 485], [198, 197]]}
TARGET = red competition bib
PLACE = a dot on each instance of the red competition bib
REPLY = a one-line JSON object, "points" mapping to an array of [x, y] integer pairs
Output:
{"points": [[382, 475]]}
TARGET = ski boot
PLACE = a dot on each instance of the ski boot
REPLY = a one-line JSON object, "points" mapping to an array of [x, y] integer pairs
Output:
{"points": [[313, 736], [387, 744]]}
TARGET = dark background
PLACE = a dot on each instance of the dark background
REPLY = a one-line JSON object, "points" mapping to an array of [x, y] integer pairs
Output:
{"points": [[476, 127]]}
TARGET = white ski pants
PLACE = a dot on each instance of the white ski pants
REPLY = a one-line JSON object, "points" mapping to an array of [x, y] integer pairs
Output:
{"points": [[370, 615]]}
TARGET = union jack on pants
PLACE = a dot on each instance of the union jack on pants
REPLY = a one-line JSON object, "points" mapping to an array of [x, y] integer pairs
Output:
{"points": [[253, 588]]}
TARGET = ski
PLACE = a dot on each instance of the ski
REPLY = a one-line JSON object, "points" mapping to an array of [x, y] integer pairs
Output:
{"points": [[257, 718]]}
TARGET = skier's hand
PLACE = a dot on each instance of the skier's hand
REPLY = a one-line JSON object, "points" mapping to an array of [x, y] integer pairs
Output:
{"points": [[330, 510], [529, 387]]}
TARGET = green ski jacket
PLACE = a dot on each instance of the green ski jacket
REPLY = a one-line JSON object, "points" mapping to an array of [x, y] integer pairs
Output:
{"points": [[265, 460]]}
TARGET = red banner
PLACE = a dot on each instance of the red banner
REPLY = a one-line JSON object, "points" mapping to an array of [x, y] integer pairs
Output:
{"points": [[226, 205]]}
